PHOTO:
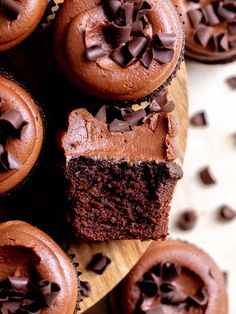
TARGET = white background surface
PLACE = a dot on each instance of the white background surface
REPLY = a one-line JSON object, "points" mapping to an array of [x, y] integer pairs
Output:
{"points": [[212, 145]]}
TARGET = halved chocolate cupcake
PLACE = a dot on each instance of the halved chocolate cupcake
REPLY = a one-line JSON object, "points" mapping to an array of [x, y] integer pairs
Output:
{"points": [[21, 134], [120, 171], [172, 277], [119, 50], [210, 29], [18, 19], [36, 276]]}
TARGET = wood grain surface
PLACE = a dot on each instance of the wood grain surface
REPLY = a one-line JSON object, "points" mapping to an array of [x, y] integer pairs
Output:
{"points": [[125, 254]]}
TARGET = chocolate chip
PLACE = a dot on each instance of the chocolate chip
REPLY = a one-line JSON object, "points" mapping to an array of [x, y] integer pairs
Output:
{"points": [[99, 263], [187, 220], [199, 119], [227, 213], [119, 126], [206, 176], [85, 289], [231, 82], [11, 7]]}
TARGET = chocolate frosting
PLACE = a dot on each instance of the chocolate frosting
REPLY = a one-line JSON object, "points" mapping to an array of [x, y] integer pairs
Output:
{"points": [[88, 136], [18, 19], [80, 24], [210, 29], [25, 149], [23, 246], [189, 270]]}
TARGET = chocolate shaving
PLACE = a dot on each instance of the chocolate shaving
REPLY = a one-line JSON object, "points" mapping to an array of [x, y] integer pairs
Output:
{"points": [[9, 162], [49, 291], [95, 52], [227, 213], [210, 15], [232, 28], [135, 117], [200, 298], [85, 289], [199, 119], [207, 177], [120, 34], [225, 13], [137, 45], [99, 263], [195, 17], [11, 8], [203, 35], [170, 272]]}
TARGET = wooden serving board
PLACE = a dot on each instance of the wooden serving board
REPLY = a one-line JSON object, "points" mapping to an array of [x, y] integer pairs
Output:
{"points": [[125, 254], [41, 201]]}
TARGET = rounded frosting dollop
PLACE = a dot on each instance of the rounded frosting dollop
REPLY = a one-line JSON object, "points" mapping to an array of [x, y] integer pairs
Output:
{"points": [[23, 248], [174, 277], [18, 19], [81, 25], [26, 147]]}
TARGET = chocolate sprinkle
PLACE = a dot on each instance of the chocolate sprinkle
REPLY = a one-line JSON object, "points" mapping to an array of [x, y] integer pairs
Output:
{"points": [[199, 119], [206, 176], [11, 8], [227, 213], [187, 220], [99, 263]]}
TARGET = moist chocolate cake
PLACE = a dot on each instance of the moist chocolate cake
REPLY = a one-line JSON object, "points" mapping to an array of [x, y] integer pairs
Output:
{"points": [[121, 174]]}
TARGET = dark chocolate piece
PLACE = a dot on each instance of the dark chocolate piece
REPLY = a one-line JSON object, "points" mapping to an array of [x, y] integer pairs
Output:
{"points": [[135, 117], [99, 263], [232, 82], [85, 289], [95, 52], [206, 176], [187, 220], [9, 162], [101, 114], [227, 213], [49, 291], [200, 298], [199, 119], [119, 126]]}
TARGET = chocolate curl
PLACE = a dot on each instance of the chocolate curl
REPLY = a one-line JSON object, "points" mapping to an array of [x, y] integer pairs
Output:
{"points": [[232, 28], [137, 27], [230, 5], [163, 56], [128, 8], [147, 58], [9, 162], [19, 284], [122, 56], [195, 17], [49, 291], [210, 15], [137, 45], [200, 298], [121, 34], [11, 7], [113, 7], [95, 52], [11, 121], [225, 13], [164, 40], [144, 7], [203, 35], [223, 42]]}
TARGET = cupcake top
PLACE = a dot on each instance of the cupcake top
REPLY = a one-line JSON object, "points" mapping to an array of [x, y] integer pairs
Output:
{"points": [[18, 19], [21, 134], [122, 50], [35, 272], [210, 29], [175, 277], [106, 135]]}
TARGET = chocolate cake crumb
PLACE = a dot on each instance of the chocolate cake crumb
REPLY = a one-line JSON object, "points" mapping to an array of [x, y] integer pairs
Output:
{"points": [[187, 220], [99, 263]]}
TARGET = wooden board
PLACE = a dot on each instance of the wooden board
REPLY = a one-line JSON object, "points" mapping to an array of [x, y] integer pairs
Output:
{"points": [[125, 254], [41, 201]]}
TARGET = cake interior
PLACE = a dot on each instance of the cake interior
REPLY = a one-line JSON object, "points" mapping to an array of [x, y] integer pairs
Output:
{"points": [[116, 199]]}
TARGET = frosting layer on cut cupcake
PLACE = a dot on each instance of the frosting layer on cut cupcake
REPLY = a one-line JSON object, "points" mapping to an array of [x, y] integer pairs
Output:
{"points": [[210, 29], [29, 255], [115, 57], [18, 19], [21, 134]]}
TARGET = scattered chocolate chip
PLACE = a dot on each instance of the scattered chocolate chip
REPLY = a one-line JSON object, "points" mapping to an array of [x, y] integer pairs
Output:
{"points": [[199, 119], [187, 220], [206, 176], [119, 126], [227, 213], [11, 7], [85, 289], [99, 263], [231, 82]]}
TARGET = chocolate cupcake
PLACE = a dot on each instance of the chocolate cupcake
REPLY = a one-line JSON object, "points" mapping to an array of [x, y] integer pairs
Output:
{"points": [[18, 19], [36, 276], [119, 50], [21, 134], [172, 277], [120, 171], [210, 29]]}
